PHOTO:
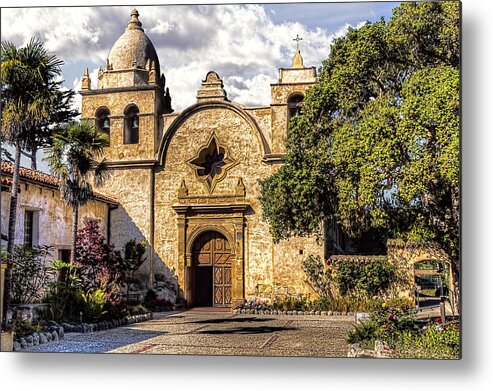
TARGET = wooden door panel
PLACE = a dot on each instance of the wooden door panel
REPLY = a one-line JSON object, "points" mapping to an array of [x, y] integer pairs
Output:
{"points": [[218, 275], [227, 276], [213, 249], [218, 296], [227, 295]]}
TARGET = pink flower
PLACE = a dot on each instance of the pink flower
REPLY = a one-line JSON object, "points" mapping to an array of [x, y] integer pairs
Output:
{"points": [[438, 320]]}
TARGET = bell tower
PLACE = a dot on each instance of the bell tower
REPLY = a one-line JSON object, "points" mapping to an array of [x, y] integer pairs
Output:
{"points": [[287, 97], [128, 104], [130, 99]]}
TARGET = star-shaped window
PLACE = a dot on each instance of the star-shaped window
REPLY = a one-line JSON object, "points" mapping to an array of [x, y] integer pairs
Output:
{"points": [[211, 163]]}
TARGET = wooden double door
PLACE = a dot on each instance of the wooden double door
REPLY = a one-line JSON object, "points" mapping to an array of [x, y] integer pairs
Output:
{"points": [[212, 275]]}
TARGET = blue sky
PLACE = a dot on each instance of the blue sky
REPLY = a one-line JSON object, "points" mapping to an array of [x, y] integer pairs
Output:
{"points": [[244, 43]]}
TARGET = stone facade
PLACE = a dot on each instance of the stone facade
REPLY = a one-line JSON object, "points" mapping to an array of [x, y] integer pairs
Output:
{"points": [[196, 172]]}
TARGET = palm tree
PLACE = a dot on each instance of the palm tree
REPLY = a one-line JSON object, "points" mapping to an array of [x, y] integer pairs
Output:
{"points": [[27, 77], [75, 158]]}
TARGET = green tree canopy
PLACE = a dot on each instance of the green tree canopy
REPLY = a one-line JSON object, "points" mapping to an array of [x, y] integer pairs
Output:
{"points": [[377, 145], [75, 158], [30, 94]]}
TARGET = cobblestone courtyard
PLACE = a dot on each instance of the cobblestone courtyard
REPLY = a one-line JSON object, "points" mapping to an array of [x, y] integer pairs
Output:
{"points": [[216, 333]]}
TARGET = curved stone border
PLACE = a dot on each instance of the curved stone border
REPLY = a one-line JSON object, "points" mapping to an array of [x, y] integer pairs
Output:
{"points": [[279, 312], [57, 331], [34, 339], [106, 324]]}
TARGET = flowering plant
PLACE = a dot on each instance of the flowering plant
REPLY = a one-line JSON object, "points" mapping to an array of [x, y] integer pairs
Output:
{"points": [[252, 305]]}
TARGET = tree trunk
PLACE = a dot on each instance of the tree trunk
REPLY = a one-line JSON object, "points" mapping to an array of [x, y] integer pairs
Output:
{"points": [[34, 164], [12, 223], [75, 214], [457, 285]]}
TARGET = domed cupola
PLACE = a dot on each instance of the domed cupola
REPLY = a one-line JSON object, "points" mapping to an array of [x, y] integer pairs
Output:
{"points": [[133, 49], [132, 62]]}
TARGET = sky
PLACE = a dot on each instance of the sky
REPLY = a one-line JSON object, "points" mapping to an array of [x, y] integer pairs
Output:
{"points": [[244, 43]]}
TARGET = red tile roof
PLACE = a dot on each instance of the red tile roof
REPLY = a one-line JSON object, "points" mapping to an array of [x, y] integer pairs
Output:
{"points": [[41, 178]]}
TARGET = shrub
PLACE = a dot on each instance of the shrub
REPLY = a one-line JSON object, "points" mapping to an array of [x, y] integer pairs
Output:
{"points": [[30, 273], [138, 310], [96, 260], [395, 323], [133, 258], [322, 304], [298, 303], [94, 302], [434, 341], [149, 298], [347, 285], [23, 328], [370, 278], [365, 333], [63, 292], [320, 278]]}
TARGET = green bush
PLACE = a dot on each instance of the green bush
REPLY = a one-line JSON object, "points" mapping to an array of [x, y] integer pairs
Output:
{"points": [[395, 323], [364, 333], [137, 310], [22, 328], [318, 276], [63, 293], [94, 301], [292, 304], [370, 278], [30, 274], [435, 341]]}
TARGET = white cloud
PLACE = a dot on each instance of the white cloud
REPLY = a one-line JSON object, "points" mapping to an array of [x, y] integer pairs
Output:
{"points": [[240, 42]]}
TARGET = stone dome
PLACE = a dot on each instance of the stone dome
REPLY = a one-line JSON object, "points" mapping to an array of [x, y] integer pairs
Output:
{"points": [[134, 48]]}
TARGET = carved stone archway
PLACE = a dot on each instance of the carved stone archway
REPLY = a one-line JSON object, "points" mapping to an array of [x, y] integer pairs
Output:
{"points": [[196, 215]]}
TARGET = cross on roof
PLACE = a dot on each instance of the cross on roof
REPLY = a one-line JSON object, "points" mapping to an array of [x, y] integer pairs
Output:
{"points": [[298, 39]]}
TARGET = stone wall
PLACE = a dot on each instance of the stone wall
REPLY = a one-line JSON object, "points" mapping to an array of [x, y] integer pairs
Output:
{"points": [[262, 116], [54, 218], [404, 255]]}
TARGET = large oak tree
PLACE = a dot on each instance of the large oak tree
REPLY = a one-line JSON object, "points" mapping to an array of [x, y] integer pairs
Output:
{"points": [[377, 145]]}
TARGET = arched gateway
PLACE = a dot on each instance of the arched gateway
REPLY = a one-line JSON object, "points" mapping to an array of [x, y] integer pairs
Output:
{"points": [[212, 275]]}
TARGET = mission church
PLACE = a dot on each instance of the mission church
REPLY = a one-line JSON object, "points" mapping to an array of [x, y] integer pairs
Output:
{"points": [[188, 183]]}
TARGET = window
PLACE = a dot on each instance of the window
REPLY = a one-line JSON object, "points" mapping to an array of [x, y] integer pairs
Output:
{"points": [[103, 120], [31, 228], [211, 163], [64, 255], [295, 102], [131, 135], [28, 228]]}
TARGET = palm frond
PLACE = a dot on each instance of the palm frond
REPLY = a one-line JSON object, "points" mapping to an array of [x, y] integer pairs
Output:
{"points": [[72, 157]]}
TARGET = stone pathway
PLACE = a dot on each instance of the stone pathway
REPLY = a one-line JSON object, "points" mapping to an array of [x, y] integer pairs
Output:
{"points": [[197, 332]]}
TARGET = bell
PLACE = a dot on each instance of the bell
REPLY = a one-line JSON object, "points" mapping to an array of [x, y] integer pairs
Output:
{"points": [[106, 124], [135, 123]]}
